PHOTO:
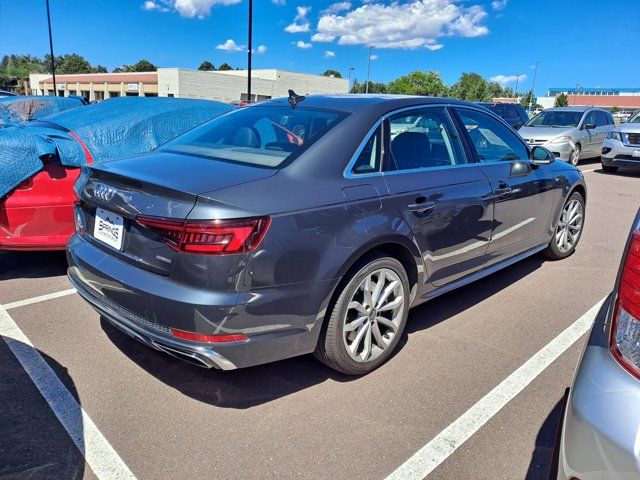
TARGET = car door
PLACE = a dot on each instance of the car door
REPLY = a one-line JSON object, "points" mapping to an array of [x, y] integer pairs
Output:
{"points": [[440, 192], [602, 127], [588, 137], [523, 193]]}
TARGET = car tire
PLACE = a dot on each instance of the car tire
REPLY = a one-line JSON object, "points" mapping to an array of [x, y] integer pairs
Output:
{"points": [[574, 158], [351, 338], [609, 169], [568, 230]]}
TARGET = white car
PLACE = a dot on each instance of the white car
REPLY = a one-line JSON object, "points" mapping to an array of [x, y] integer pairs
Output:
{"points": [[621, 147]]}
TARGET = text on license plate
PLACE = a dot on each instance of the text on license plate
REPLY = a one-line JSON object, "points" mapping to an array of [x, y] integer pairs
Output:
{"points": [[636, 153], [108, 228]]}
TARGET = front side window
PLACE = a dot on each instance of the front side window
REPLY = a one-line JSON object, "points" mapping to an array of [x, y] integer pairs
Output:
{"points": [[259, 136], [423, 138], [589, 118], [601, 118], [492, 140]]}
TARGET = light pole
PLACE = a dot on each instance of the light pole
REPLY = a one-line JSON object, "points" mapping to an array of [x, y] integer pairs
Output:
{"points": [[351, 69], [53, 58], [517, 80], [575, 94], [533, 86], [249, 50], [366, 88]]}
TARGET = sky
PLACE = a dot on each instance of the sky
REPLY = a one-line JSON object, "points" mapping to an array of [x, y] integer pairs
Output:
{"points": [[585, 42]]}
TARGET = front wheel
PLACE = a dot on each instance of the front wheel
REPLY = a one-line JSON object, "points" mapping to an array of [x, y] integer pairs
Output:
{"points": [[367, 319], [574, 158], [568, 229]]}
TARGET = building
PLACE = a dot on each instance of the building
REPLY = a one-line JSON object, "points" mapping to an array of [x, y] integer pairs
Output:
{"points": [[621, 98], [224, 86]]}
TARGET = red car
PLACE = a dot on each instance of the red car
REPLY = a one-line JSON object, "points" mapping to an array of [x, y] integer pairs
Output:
{"points": [[37, 214]]}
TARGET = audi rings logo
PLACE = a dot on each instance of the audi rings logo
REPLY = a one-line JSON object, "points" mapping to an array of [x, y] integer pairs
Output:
{"points": [[103, 192]]}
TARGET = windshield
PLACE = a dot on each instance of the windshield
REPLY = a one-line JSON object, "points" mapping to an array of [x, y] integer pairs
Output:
{"points": [[260, 136], [635, 118], [555, 118]]}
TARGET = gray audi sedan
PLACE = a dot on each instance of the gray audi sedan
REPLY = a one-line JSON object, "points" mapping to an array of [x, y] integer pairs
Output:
{"points": [[571, 133], [313, 224], [601, 431]]}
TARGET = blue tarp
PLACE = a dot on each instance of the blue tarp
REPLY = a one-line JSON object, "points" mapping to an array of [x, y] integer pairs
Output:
{"points": [[20, 109], [111, 129]]}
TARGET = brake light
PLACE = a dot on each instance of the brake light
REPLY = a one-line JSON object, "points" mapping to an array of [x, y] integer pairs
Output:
{"points": [[213, 237], [200, 337], [625, 330]]}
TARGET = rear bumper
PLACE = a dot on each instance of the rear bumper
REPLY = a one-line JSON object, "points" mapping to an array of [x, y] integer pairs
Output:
{"points": [[601, 431], [280, 322], [42, 227]]}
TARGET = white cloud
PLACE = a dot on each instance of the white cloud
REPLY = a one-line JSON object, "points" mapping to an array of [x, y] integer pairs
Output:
{"points": [[336, 7], [506, 79], [409, 25], [230, 46], [279, 2], [262, 49], [499, 4], [151, 5], [329, 54], [300, 23], [374, 56], [187, 8], [303, 45]]}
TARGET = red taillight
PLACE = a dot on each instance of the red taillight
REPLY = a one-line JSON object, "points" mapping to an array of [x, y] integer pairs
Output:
{"points": [[26, 185], [200, 337], [214, 237], [625, 329]]}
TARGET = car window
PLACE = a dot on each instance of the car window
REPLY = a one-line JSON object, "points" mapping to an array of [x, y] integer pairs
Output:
{"points": [[589, 118], [369, 159], [429, 141], [601, 119], [512, 113], [493, 141]]}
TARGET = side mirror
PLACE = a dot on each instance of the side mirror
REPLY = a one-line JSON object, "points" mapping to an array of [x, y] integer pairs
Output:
{"points": [[541, 156], [589, 126]]}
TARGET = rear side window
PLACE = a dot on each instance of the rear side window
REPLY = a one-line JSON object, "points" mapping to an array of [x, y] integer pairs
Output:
{"points": [[260, 136], [492, 140], [512, 113], [601, 118], [369, 158], [423, 138]]}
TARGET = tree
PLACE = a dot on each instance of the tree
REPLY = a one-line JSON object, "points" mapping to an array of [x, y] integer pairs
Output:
{"points": [[225, 66], [72, 63], [332, 73], [471, 87], [15, 69], [207, 66], [140, 66], [562, 100], [419, 83], [498, 91], [374, 87]]}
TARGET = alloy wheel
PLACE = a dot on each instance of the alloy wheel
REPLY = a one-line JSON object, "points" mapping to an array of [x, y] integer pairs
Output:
{"points": [[575, 156], [373, 315], [569, 226]]}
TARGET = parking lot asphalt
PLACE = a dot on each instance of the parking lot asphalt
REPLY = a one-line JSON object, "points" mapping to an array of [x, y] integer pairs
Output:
{"points": [[297, 418]]}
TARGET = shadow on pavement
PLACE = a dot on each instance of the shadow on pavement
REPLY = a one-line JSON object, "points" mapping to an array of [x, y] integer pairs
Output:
{"points": [[253, 386], [32, 264], [33, 443], [544, 457], [622, 172]]}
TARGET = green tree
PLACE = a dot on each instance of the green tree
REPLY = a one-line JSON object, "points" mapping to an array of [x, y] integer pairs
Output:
{"points": [[471, 87], [562, 100], [332, 73], [419, 83], [72, 63], [498, 91], [206, 66], [140, 66], [15, 70], [225, 66], [374, 87]]}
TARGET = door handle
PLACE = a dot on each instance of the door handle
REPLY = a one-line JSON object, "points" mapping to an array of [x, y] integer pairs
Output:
{"points": [[421, 207], [503, 191]]}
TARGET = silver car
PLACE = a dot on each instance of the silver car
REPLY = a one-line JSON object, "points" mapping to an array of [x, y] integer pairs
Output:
{"points": [[621, 148], [601, 431], [571, 133]]}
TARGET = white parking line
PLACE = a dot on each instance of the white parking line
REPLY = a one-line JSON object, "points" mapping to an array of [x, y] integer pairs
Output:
{"points": [[41, 298], [98, 453], [425, 460], [587, 171]]}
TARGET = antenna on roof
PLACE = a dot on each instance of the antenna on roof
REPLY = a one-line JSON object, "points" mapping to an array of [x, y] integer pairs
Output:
{"points": [[295, 99]]}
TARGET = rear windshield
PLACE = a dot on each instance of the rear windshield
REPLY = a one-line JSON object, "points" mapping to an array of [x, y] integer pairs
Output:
{"points": [[556, 119], [260, 136]]}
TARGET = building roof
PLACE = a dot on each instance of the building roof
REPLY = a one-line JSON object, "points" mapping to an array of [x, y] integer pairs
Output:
{"points": [[129, 77]]}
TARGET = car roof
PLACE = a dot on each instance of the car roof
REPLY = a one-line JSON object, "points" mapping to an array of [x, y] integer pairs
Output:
{"points": [[356, 102], [573, 109]]}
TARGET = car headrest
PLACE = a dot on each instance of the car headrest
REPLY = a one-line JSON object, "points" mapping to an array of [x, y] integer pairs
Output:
{"points": [[410, 150], [246, 137]]}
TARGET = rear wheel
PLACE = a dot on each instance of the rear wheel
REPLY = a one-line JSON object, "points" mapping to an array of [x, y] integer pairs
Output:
{"points": [[574, 158], [568, 229], [367, 319], [609, 168]]}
